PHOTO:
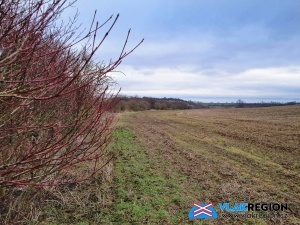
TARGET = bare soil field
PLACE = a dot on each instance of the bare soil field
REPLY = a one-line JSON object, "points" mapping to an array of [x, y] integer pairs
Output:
{"points": [[226, 155]]}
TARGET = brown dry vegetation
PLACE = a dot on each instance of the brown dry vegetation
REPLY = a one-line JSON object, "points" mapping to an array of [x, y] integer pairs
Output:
{"points": [[227, 155]]}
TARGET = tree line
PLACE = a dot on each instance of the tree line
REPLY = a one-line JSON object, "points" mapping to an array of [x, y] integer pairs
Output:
{"points": [[135, 103]]}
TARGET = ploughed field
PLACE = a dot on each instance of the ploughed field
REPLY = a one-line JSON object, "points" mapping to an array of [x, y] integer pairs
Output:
{"points": [[170, 159]]}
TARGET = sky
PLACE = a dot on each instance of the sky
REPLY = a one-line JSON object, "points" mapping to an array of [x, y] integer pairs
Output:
{"points": [[209, 51]]}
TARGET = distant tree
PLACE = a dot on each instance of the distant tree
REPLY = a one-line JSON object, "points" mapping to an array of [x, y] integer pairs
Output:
{"points": [[163, 106], [240, 103], [291, 103], [133, 105], [122, 106], [160, 105], [143, 105], [157, 105]]}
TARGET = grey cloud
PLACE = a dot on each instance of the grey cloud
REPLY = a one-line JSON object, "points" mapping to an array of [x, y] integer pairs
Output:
{"points": [[216, 39]]}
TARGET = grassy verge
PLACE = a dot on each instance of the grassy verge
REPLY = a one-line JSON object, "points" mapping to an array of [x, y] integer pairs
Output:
{"points": [[143, 194], [139, 193]]}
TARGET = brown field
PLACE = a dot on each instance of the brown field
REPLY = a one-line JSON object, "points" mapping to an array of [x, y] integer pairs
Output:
{"points": [[226, 155], [166, 160]]}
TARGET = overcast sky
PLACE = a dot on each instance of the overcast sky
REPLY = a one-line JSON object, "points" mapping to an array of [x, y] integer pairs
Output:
{"points": [[212, 50]]}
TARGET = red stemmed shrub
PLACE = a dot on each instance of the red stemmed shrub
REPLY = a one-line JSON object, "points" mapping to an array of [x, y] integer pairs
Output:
{"points": [[55, 99]]}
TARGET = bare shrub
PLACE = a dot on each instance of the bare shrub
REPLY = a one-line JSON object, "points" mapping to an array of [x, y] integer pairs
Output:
{"points": [[55, 100]]}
